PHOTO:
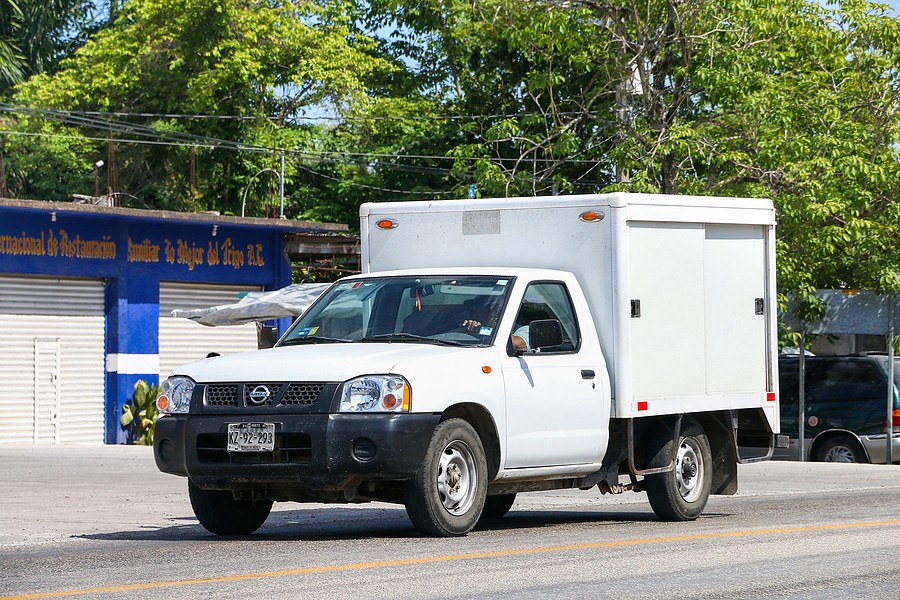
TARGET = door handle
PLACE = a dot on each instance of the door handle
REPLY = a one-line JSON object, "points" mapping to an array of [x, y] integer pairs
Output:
{"points": [[587, 374]]}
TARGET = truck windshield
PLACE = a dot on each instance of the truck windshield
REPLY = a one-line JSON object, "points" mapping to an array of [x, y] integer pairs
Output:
{"points": [[463, 311]]}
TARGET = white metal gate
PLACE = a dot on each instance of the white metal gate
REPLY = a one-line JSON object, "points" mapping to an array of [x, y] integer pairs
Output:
{"points": [[52, 366], [182, 340]]}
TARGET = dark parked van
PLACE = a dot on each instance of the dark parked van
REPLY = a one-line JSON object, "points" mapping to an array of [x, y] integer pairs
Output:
{"points": [[846, 407]]}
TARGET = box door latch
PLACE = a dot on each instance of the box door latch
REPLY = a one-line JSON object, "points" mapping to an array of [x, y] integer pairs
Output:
{"points": [[760, 306]]}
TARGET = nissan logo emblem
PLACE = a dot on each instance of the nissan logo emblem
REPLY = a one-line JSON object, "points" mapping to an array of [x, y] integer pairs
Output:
{"points": [[259, 395]]}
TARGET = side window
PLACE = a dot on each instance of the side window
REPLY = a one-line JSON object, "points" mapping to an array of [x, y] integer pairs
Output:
{"points": [[789, 381], [546, 300], [847, 381]]}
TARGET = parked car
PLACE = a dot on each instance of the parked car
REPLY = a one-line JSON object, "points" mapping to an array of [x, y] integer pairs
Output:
{"points": [[845, 411]]}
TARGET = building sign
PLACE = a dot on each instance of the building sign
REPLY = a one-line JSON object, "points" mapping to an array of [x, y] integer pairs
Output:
{"points": [[190, 254], [93, 246], [57, 243]]}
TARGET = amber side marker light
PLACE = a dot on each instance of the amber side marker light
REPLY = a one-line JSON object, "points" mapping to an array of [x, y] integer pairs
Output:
{"points": [[591, 216], [162, 403], [486, 369], [387, 224]]}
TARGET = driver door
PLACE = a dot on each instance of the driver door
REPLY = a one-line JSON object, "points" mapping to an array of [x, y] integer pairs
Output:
{"points": [[554, 398]]}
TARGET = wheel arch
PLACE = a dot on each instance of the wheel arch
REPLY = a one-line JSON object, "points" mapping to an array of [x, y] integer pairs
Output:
{"points": [[830, 434], [716, 426], [483, 423]]}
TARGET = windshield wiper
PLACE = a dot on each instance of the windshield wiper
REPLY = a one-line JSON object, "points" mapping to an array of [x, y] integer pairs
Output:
{"points": [[410, 337], [314, 339]]}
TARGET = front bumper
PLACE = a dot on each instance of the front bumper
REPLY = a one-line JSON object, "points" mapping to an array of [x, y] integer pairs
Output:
{"points": [[312, 451]]}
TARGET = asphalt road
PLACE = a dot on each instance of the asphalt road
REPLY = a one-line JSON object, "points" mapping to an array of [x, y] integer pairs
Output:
{"points": [[101, 522]]}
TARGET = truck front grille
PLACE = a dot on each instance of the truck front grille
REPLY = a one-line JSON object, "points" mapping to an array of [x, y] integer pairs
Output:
{"points": [[221, 395], [246, 395], [302, 393], [289, 448]]}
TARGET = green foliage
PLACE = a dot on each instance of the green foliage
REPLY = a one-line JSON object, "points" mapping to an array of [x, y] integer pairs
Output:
{"points": [[140, 416], [259, 65], [811, 123], [36, 34], [796, 100]]}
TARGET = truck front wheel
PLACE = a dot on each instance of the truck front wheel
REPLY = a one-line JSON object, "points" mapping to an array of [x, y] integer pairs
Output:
{"points": [[221, 514], [446, 495], [680, 494]]}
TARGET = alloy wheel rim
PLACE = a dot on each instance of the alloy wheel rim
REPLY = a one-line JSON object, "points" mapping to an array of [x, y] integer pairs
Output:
{"points": [[841, 454]]}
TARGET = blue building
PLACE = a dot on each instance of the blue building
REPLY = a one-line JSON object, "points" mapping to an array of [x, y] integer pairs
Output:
{"points": [[86, 294]]}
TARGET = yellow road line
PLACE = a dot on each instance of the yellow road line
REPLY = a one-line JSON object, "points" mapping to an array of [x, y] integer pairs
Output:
{"points": [[453, 557]]}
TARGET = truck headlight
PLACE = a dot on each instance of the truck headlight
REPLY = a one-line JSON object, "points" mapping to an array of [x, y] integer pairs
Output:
{"points": [[176, 395], [376, 393]]}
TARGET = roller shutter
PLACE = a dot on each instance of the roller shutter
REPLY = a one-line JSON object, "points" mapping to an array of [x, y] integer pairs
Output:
{"points": [[182, 340], [52, 366]]}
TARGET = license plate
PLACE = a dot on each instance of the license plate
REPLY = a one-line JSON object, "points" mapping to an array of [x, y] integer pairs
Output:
{"points": [[251, 437]]}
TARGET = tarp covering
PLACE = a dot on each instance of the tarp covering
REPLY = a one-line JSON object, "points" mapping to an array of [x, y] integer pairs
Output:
{"points": [[850, 312], [289, 301]]}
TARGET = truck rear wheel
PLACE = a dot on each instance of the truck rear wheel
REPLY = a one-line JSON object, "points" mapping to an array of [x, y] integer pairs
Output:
{"points": [[680, 494], [221, 514], [446, 496]]}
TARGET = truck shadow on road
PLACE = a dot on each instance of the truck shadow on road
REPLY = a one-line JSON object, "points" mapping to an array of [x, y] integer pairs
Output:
{"points": [[360, 524]]}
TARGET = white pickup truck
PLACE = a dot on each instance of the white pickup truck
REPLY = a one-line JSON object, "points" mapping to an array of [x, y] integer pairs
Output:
{"points": [[492, 347]]}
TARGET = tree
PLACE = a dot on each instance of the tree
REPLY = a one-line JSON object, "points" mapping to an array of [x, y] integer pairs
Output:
{"points": [[811, 121], [797, 102], [11, 61], [255, 65], [36, 34], [438, 98]]}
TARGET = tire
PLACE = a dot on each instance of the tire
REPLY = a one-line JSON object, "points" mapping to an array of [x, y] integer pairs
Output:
{"points": [[842, 449], [495, 507], [680, 494], [446, 495], [221, 514]]}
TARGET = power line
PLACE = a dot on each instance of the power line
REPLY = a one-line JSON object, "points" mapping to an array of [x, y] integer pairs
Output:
{"points": [[340, 118], [215, 144], [66, 118], [153, 136], [371, 187], [72, 118]]}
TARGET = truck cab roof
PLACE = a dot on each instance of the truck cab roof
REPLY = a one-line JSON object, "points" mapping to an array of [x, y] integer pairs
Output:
{"points": [[527, 273]]}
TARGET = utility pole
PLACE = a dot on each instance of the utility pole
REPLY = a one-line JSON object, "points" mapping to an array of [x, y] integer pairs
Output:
{"points": [[630, 86], [622, 175], [281, 187], [97, 166]]}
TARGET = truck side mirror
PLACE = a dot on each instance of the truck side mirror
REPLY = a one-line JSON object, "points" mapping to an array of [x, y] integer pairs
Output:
{"points": [[544, 333]]}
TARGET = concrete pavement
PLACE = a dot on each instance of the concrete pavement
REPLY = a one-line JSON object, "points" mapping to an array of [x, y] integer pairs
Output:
{"points": [[55, 493]]}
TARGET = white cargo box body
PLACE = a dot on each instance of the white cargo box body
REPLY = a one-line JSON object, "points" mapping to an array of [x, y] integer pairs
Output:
{"points": [[681, 288]]}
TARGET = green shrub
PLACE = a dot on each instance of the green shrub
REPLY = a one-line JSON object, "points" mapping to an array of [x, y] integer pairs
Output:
{"points": [[140, 416]]}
